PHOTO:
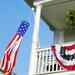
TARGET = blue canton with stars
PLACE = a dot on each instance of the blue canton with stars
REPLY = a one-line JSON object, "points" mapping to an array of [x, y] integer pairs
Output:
{"points": [[23, 28]]}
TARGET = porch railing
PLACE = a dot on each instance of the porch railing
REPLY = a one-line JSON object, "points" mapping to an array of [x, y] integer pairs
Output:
{"points": [[46, 62]]}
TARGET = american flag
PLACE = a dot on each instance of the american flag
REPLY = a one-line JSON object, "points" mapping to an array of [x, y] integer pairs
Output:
{"points": [[9, 59]]}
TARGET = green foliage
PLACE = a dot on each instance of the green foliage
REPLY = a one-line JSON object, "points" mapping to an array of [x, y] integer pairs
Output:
{"points": [[70, 20], [14, 74]]}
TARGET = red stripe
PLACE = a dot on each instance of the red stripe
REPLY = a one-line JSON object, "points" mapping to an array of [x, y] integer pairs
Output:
{"points": [[7, 55], [18, 38], [14, 62], [69, 48], [11, 41], [15, 55], [8, 59], [2, 62], [6, 64]]}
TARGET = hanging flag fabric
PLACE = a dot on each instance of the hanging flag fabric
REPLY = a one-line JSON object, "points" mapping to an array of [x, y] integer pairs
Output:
{"points": [[9, 59], [65, 55]]}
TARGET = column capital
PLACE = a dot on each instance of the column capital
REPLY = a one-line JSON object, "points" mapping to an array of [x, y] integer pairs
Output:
{"points": [[40, 2]]}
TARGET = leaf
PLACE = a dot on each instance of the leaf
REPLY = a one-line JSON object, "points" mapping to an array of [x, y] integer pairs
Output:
{"points": [[70, 19]]}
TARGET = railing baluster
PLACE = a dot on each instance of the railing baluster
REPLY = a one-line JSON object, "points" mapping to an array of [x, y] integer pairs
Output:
{"points": [[52, 61], [37, 62], [42, 62], [46, 62], [47, 65], [56, 66], [49, 60], [43, 65]]}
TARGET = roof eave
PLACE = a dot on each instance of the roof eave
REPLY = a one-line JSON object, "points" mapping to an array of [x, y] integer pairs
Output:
{"points": [[30, 3]]}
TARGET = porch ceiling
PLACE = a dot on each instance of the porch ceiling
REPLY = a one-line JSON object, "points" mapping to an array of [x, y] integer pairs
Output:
{"points": [[54, 12]]}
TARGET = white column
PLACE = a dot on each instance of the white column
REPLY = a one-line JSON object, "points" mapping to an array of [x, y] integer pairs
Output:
{"points": [[33, 62], [58, 37]]}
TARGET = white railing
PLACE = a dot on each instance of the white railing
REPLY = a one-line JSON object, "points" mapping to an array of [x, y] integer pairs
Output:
{"points": [[46, 62]]}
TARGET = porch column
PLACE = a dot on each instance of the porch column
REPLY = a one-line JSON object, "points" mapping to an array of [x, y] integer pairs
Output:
{"points": [[33, 62], [58, 37]]}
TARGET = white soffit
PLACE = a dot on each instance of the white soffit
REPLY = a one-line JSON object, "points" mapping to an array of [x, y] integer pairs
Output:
{"points": [[55, 13], [39, 2]]}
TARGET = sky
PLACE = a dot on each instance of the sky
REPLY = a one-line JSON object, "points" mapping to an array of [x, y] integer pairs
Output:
{"points": [[12, 12]]}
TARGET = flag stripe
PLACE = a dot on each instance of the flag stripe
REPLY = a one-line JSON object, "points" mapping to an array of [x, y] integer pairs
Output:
{"points": [[8, 56], [15, 49], [13, 63], [12, 43], [9, 59], [8, 52]]}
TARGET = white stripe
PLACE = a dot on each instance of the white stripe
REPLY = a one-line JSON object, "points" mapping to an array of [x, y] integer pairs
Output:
{"points": [[12, 43], [4, 62], [1, 62], [17, 43], [11, 46], [5, 57], [70, 52]]}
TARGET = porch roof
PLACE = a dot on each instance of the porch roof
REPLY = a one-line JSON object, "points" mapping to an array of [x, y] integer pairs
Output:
{"points": [[54, 12]]}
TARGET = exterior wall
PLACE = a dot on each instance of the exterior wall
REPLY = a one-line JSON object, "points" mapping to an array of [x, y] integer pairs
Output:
{"points": [[69, 37], [58, 37], [62, 37]]}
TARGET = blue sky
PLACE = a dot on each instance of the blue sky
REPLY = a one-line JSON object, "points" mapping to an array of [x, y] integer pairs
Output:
{"points": [[12, 12]]}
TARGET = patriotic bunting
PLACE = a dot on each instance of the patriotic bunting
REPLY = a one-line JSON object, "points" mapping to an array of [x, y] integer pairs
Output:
{"points": [[65, 55], [9, 59]]}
